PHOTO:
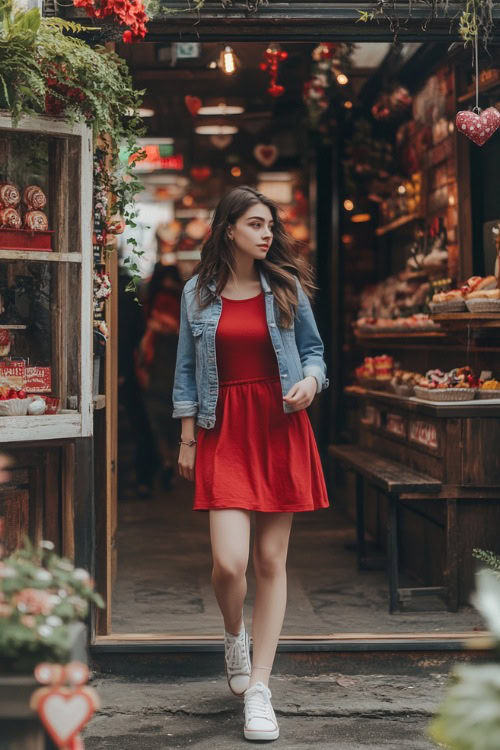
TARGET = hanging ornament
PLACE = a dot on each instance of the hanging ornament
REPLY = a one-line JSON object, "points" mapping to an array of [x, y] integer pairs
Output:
{"points": [[272, 57], [220, 141], [64, 710], [476, 124], [265, 154], [193, 103]]}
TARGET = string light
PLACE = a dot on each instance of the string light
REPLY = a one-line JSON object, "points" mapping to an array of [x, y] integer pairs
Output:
{"points": [[236, 172], [348, 205], [342, 79], [401, 190], [228, 60], [348, 104]]}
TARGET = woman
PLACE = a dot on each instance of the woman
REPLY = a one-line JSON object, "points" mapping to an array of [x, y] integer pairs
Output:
{"points": [[249, 362]]}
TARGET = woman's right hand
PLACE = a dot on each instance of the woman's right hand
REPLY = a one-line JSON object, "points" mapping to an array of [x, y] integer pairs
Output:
{"points": [[187, 456]]}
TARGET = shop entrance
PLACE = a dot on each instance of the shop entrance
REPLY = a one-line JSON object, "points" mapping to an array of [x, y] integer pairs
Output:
{"points": [[308, 147]]}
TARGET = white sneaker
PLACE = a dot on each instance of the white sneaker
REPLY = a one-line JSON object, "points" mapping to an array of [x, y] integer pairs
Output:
{"points": [[260, 719], [237, 661]]}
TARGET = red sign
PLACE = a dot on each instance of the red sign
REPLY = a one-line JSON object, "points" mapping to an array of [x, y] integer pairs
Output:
{"points": [[396, 424], [38, 380], [155, 160]]}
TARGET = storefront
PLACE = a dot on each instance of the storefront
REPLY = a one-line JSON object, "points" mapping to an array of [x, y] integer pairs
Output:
{"points": [[402, 206]]}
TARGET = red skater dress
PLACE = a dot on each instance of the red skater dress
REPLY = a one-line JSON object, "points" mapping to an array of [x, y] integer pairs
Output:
{"points": [[256, 456]]}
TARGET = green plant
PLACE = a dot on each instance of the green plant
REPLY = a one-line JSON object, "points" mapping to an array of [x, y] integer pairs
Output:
{"points": [[41, 596], [469, 716], [490, 558]]}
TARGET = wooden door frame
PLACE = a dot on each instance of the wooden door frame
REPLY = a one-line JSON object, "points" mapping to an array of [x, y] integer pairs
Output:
{"points": [[295, 21]]}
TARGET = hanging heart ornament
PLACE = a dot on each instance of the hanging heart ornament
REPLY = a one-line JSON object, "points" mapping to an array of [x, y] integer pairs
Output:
{"points": [[265, 155], [478, 126], [63, 713], [193, 103]]}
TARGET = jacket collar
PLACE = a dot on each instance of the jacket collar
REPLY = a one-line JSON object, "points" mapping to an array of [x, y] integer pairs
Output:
{"points": [[263, 280]]}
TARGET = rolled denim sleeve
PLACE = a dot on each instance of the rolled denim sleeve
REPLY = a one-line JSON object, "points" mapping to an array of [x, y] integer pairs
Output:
{"points": [[309, 342], [185, 392]]}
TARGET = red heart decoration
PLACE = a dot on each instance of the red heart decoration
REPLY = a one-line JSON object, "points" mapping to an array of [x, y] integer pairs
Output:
{"points": [[64, 713], [193, 103], [478, 127], [265, 155], [200, 174]]}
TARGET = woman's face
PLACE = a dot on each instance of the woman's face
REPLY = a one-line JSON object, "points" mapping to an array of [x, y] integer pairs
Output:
{"points": [[252, 233]]}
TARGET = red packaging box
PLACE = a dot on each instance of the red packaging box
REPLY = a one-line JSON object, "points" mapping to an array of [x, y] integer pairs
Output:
{"points": [[25, 239], [38, 379]]}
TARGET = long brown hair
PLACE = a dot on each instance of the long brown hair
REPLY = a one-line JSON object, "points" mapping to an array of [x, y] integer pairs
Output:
{"points": [[283, 263]]}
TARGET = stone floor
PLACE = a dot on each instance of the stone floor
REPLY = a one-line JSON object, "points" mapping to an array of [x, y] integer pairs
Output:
{"points": [[164, 586], [333, 710]]}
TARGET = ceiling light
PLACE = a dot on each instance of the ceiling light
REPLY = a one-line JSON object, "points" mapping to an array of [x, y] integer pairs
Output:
{"points": [[348, 104], [221, 109], [360, 218], [141, 111], [342, 79], [348, 205], [228, 60], [155, 141], [401, 190], [216, 129]]}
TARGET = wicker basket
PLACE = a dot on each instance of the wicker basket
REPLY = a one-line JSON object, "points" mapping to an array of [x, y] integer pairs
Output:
{"points": [[452, 306], [445, 394], [476, 305], [404, 390], [488, 393], [15, 407]]}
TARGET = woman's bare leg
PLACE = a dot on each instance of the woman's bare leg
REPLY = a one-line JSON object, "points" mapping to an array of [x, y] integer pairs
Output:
{"points": [[270, 548], [230, 539]]}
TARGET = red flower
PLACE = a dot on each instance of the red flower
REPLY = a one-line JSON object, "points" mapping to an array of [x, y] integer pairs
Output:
{"points": [[127, 36]]}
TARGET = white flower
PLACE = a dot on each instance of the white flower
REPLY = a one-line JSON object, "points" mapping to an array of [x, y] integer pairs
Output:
{"points": [[7, 572], [54, 600], [45, 631], [486, 599], [62, 593], [43, 575], [54, 621], [80, 574], [46, 544]]}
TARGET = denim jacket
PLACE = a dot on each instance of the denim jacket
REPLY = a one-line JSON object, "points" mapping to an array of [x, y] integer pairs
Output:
{"points": [[299, 351]]}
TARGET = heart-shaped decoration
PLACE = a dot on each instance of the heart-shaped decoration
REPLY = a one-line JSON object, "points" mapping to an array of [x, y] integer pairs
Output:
{"points": [[265, 155], [193, 103], [200, 174], [221, 141], [478, 126], [64, 713]]}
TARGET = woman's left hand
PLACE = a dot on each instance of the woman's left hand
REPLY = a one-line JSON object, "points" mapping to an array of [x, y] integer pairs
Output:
{"points": [[302, 393]]}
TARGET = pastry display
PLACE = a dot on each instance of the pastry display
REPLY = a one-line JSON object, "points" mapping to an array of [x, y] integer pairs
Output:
{"points": [[489, 389], [35, 221], [9, 196], [459, 384], [456, 300], [404, 381], [376, 372], [10, 218], [34, 198]]}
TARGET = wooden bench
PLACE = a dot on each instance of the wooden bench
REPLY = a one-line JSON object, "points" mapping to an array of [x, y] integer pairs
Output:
{"points": [[394, 479]]}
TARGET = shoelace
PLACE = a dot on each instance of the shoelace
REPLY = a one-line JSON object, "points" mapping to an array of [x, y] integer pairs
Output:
{"points": [[236, 656], [257, 704]]}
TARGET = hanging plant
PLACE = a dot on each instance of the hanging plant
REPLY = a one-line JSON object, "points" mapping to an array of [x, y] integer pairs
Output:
{"points": [[475, 17], [330, 62]]}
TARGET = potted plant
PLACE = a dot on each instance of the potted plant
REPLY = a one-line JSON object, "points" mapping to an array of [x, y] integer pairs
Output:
{"points": [[44, 601]]}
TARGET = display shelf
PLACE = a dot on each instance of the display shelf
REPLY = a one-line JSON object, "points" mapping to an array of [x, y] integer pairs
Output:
{"points": [[37, 255], [483, 88], [466, 319], [9, 327], [403, 335], [67, 424], [476, 408], [400, 222]]}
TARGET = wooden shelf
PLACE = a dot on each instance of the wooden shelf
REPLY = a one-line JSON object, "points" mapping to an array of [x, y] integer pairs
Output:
{"points": [[37, 255], [471, 93], [395, 224], [403, 335], [9, 327], [480, 407], [466, 319]]}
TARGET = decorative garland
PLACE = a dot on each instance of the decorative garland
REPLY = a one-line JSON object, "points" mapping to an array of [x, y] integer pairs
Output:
{"points": [[322, 90], [474, 19], [131, 13]]}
